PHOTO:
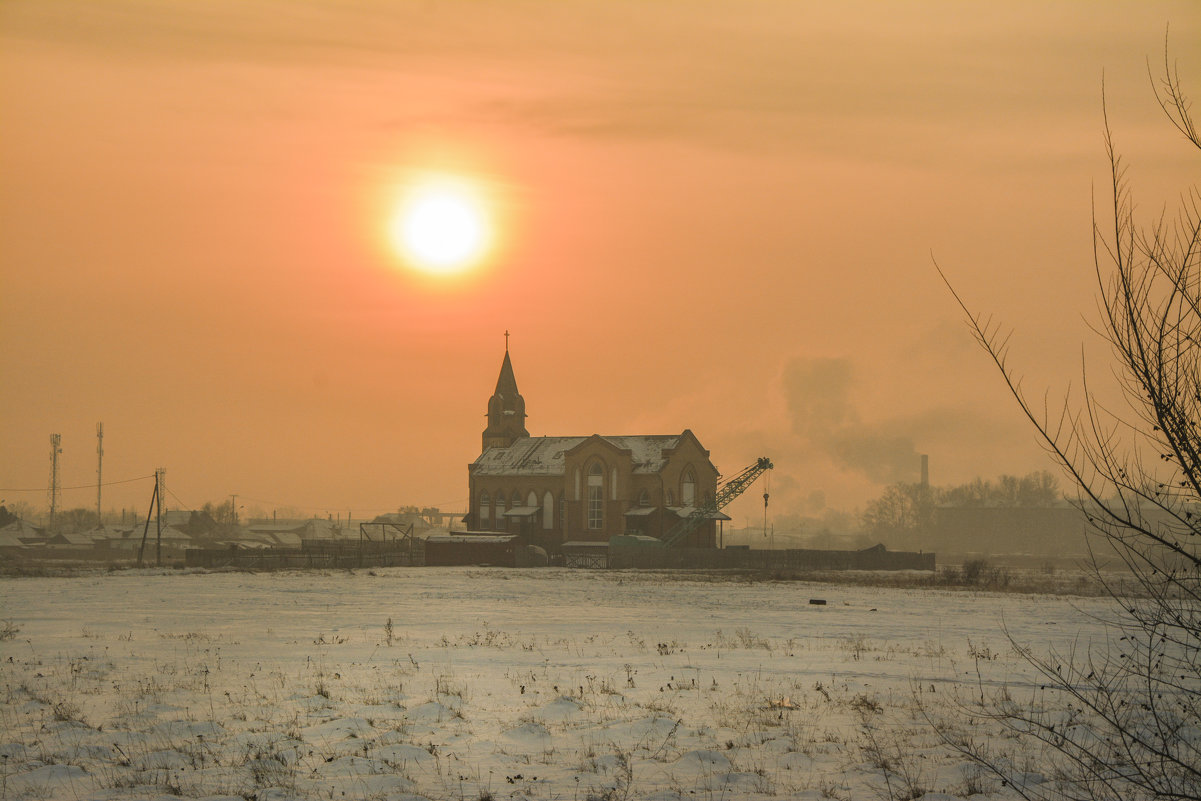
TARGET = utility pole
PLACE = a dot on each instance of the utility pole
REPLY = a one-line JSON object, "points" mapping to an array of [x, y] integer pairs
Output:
{"points": [[99, 469], [56, 441], [159, 480], [233, 508]]}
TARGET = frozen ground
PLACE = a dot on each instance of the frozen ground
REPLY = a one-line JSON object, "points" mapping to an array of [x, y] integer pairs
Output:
{"points": [[495, 683]]}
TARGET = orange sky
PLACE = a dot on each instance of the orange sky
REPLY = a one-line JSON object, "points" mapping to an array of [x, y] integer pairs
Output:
{"points": [[717, 216]]}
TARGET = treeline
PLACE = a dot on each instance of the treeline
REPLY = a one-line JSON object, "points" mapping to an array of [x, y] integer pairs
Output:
{"points": [[910, 507]]}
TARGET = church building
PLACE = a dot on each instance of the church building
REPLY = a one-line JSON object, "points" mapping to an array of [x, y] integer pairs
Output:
{"points": [[553, 490]]}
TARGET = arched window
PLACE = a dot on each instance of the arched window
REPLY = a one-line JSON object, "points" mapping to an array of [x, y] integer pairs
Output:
{"points": [[485, 513], [562, 514], [644, 499], [548, 511], [688, 488], [531, 500], [671, 498], [596, 497], [577, 483], [613, 484]]}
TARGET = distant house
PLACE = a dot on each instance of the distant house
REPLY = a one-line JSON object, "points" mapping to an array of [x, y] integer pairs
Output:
{"points": [[10, 541], [196, 524], [25, 532], [130, 540], [286, 533], [403, 520], [71, 540]]}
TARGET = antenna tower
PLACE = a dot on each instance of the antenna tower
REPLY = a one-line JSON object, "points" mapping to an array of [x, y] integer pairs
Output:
{"points": [[56, 441], [99, 469]]}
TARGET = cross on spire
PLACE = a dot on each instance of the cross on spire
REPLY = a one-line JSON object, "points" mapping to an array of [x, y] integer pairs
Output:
{"points": [[506, 340]]}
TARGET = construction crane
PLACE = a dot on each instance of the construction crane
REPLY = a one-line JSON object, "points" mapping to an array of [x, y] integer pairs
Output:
{"points": [[726, 493]]}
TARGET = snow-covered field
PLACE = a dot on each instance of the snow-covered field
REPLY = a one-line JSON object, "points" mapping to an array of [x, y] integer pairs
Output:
{"points": [[496, 683]]}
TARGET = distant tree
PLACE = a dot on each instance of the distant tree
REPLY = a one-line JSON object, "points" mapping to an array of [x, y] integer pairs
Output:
{"points": [[222, 512], [78, 519], [900, 513], [22, 509], [1124, 723], [976, 493], [1038, 489], [7, 517]]}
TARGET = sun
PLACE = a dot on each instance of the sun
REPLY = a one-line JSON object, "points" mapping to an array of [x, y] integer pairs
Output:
{"points": [[442, 226]]}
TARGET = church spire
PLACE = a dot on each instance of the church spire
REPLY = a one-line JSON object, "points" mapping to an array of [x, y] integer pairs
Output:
{"points": [[506, 408]]}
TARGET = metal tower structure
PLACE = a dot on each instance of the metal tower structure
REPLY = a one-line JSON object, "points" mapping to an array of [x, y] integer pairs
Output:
{"points": [[56, 441], [725, 494], [160, 479], [99, 469]]}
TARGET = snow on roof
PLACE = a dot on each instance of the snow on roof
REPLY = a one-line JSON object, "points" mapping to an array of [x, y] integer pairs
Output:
{"points": [[78, 540], [546, 456], [687, 511], [272, 527], [23, 529], [521, 511], [9, 539]]}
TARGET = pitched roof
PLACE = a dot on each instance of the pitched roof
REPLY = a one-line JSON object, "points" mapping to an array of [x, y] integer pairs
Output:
{"points": [[506, 382], [9, 539], [546, 456]]}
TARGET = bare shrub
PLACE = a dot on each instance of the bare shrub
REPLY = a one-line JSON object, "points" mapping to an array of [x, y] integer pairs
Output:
{"points": [[1119, 720]]}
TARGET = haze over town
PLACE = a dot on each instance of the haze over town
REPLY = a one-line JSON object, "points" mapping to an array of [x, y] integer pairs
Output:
{"points": [[718, 217]]}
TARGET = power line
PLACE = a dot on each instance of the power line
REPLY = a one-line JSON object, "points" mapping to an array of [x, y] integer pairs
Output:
{"points": [[81, 486], [179, 499]]}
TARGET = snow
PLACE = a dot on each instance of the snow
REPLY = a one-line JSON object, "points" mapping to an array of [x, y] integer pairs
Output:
{"points": [[546, 456], [539, 684]]}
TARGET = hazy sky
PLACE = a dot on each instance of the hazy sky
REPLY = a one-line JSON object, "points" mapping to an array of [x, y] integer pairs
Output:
{"points": [[712, 215]]}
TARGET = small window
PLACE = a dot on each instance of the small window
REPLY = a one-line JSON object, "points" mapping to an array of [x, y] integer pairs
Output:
{"points": [[548, 511], [644, 499], [671, 499], [485, 513]]}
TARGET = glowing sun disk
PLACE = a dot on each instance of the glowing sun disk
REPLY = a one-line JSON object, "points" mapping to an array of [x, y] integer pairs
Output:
{"points": [[441, 228]]}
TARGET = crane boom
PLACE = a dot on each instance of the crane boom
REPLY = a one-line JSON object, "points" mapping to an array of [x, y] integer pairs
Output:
{"points": [[725, 494]]}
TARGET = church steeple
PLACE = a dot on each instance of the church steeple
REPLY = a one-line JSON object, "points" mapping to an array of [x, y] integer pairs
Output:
{"points": [[506, 408]]}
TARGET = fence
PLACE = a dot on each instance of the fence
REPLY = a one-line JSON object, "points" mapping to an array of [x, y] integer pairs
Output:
{"points": [[875, 558], [312, 554]]}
